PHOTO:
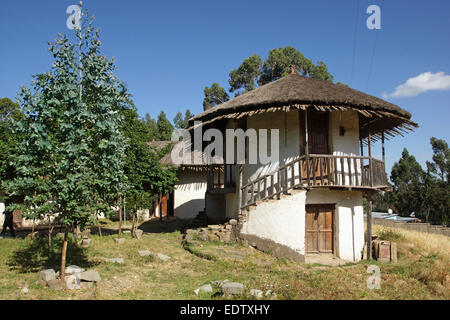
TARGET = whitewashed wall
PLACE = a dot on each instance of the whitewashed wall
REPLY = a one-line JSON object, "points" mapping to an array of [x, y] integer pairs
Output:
{"points": [[190, 193], [289, 145], [283, 221], [2, 216], [349, 220]]}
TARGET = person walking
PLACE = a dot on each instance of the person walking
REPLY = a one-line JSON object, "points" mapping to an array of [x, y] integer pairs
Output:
{"points": [[8, 223]]}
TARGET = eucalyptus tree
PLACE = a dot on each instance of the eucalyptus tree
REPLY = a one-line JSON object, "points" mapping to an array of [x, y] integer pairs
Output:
{"points": [[70, 162]]}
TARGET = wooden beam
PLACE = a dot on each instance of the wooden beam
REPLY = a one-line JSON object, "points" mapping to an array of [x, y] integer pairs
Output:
{"points": [[382, 147], [369, 227]]}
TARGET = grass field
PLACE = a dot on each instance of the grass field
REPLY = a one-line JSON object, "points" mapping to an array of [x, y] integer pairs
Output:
{"points": [[421, 273]]}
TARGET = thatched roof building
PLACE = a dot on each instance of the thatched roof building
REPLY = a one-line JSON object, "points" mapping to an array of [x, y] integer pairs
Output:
{"points": [[299, 92], [167, 158]]}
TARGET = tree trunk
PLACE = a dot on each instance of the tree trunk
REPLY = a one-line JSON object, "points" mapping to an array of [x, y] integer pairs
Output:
{"points": [[32, 231], [134, 218], [120, 215], [64, 254]]}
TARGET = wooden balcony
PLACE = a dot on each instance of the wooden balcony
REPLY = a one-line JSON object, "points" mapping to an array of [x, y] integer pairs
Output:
{"points": [[317, 171], [221, 179]]}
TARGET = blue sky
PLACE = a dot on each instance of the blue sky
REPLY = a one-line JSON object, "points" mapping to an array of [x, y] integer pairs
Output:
{"points": [[168, 51]]}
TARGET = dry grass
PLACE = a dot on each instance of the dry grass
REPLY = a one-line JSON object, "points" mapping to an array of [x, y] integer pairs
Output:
{"points": [[422, 271]]}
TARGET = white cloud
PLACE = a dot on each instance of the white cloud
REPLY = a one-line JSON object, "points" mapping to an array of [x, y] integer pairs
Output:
{"points": [[423, 82]]}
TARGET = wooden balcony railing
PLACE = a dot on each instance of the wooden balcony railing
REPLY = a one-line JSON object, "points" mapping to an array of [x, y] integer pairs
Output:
{"points": [[316, 171], [221, 178]]}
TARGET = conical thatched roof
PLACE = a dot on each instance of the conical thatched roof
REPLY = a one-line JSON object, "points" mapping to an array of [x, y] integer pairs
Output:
{"points": [[294, 91], [167, 158]]}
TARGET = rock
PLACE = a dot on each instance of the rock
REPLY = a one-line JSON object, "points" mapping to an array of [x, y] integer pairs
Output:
{"points": [[214, 227], [202, 236], [229, 227], [47, 275], [163, 257], [85, 234], [85, 243], [225, 236], [219, 283], [256, 293], [144, 253], [24, 290], [126, 231], [233, 288], [268, 293], [115, 260], [74, 269], [233, 222], [119, 240], [90, 275], [73, 282], [206, 288], [213, 237], [138, 234], [55, 284]]}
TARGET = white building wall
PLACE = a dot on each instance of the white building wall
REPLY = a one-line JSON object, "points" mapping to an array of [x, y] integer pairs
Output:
{"points": [[289, 146], [282, 221], [349, 220], [190, 193], [2, 216]]}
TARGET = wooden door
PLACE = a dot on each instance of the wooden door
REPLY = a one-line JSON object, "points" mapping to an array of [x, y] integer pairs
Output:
{"points": [[317, 144], [163, 206], [319, 229]]}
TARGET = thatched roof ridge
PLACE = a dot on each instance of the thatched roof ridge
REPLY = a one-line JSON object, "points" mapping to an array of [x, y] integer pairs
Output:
{"points": [[294, 89], [167, 158]]}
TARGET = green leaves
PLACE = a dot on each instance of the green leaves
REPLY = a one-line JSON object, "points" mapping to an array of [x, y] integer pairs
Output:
{"points": [[70, 160], [214, 95]]}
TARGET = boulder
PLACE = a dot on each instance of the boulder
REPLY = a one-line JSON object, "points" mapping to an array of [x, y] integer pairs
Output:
{"points": [[144, 253], [233, 288], [203, 236], [47, 275], [55, 284], [213, 237], [219, 283], [74, 269], [90, 275], [138, 234], [163, 257], [119, 240], [233, 222], [115, 260], [73, 281], [206, 288], [256, 293]]}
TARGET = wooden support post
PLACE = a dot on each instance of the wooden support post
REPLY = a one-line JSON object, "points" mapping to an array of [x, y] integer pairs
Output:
{"points": [[307, 148], [369, 226], [238, 187], [120, 214], [369, 148], [382, 147]]}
